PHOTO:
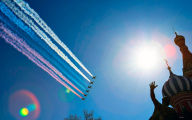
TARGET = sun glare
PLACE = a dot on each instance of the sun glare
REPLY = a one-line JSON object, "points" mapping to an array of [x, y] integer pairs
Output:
{"points": [[148, 56]]}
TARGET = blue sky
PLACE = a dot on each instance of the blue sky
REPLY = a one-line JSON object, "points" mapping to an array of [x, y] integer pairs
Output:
{"points": [[98, 32]]}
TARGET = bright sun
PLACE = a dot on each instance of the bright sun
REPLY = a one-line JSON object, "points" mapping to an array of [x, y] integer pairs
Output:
{"points": [[148, 56]]}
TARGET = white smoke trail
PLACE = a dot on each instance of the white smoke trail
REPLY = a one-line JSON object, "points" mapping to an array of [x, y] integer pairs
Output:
{"points": [[31, 57], [41, 34], [28, 10]]}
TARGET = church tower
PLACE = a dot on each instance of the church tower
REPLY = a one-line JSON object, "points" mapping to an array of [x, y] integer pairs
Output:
{"points": [[179, 88], [187, 56]]}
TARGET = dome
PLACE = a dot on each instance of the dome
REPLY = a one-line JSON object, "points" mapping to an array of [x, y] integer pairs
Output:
{"points": [[175, 85], [179, 40]]}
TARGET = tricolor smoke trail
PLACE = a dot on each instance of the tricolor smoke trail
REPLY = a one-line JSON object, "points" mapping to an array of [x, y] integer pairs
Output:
{"points": [[41, 34], [33, 36], [21, 42], [32, 55], [23, 29], [29, 11]]}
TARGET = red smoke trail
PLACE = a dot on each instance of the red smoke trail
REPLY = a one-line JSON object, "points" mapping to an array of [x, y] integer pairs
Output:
{"points": [[23, 43], [18, 44], [40, 33]]}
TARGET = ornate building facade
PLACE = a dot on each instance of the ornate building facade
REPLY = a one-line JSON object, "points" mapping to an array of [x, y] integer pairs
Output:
{"points": [[179, 88]]}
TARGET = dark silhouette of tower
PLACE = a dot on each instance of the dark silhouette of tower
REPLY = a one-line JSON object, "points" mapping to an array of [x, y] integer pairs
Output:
{"points": [[179, 88], [187, 56]]}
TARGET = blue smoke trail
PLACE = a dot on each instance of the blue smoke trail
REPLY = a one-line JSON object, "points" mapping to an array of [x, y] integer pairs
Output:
{"points": [[25, 28], [42, 51], [28, 10], [20, 45], [24, 44], [41, 34]]}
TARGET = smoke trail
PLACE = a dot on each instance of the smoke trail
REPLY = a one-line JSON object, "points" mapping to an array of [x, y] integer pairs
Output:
{"points": [[32, 34], [21, 42], [20, 48], [28, 10], [41, 34]]}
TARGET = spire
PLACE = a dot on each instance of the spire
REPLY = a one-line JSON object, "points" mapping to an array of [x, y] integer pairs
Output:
{"points": [[187, 56], [179, 40], [168, 67], [176, 34]]}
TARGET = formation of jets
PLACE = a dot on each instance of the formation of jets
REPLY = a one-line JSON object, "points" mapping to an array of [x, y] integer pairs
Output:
{"points": [[89, 87]]}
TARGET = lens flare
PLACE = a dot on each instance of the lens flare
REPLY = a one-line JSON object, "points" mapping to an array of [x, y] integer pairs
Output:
{"points": [[24, 112], [170, 51], [65, 95], [31, 107], [67, 91], [23, 105]]}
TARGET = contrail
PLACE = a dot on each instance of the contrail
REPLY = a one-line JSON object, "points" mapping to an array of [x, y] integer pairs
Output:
{"points": [[24, 44], [25, 52], [41, 34], [28, 10]]}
